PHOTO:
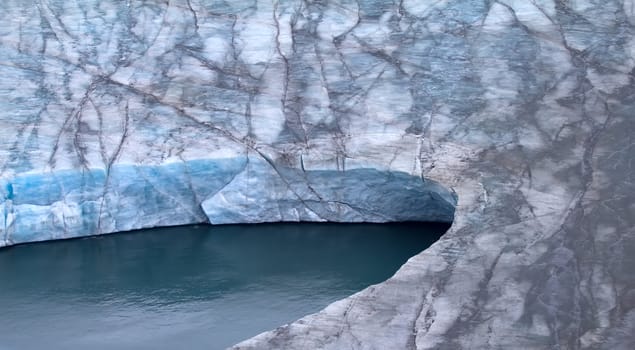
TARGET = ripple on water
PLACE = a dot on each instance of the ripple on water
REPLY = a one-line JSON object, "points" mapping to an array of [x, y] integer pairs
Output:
{"points": [[204, 287]]}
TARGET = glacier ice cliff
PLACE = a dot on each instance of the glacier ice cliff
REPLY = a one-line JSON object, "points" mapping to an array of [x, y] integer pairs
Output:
{"points": [[119, 115], [82, 202]]}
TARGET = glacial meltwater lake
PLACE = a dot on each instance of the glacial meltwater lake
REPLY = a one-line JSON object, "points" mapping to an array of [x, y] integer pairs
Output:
{"points": [[191, 287]]}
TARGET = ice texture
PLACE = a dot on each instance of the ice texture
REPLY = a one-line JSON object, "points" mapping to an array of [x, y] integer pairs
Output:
{"points": [[118, 115]]}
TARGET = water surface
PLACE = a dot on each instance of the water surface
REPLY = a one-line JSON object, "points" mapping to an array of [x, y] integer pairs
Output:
{"points": [[190, 287]]}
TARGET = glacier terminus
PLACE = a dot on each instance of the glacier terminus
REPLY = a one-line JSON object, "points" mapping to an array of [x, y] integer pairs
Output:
{"points": [[514, 120]]}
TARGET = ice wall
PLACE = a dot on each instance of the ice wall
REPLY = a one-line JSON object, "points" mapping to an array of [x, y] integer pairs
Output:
{"points": [[301, 109], [75, 203], [123, 115]]}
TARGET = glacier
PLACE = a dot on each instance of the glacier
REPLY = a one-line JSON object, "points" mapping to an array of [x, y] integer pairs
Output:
{"points": [[512, 119], [82, 202], [76, 203]]}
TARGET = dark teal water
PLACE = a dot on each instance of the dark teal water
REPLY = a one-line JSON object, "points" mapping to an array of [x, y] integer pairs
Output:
{"points": [[191, 287]]}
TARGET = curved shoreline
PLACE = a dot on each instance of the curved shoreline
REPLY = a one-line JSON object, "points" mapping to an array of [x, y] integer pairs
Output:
{"points": [[523, 108]]}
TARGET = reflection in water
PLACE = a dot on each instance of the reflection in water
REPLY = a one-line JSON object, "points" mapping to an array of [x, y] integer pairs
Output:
{"points": [[191, 287]]}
